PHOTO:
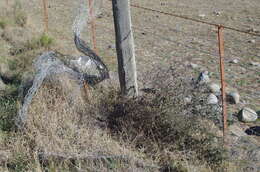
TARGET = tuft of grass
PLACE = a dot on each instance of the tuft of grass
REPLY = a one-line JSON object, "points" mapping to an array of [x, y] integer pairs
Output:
{"points": [[46, 41], [3, 24]]}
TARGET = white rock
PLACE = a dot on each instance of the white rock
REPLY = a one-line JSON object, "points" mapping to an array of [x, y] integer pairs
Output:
{"points": [[250, 19], [252, 30], [235, 61], [255, 64], [217, 13], [202, 15], [248, 115], [194, 66], [204, 77], [214, 88], [187, 99], [212, 99], [234, 97], [252, 41]]}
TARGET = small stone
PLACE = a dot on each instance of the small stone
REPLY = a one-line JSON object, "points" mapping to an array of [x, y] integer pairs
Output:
{"points": [[202, 15], [217, 13], [235, 61], [212, 99], [194, 66], [252, 41], [233, 97], [214, 88], [255, 64], [247, 115], [2, 85], [187, 99], [203, 77], [252, 30], [243, 69], [250, 19]]}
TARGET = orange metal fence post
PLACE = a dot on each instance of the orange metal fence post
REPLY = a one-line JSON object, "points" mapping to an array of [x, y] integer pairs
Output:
{"points": [[93, 26], [223, 84], [45, 15]]}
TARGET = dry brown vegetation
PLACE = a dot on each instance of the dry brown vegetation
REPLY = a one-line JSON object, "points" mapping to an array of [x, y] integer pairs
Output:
{"points": [[156, 132], [102, 131]]}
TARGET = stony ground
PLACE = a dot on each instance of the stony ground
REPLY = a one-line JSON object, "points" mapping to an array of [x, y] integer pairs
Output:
{"points": [[162, 40]]}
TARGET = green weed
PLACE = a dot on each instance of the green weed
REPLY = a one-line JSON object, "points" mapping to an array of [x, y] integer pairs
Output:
{"points": [[3, 24], [45, 41]]}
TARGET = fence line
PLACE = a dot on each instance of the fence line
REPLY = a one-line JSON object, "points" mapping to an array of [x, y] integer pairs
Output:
{"points": [[199, 37], [220, 44], [194, 20], [153, 34], [166, 39]]}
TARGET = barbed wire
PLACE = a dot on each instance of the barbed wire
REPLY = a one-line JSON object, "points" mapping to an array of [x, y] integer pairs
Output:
{"points": [[164, 38], [104, 25], [193, 19]]}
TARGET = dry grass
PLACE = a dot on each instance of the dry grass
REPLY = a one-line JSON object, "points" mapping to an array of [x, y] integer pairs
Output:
{"points": [[62, 133], [100, 130], [157, 131], [161, 125]]}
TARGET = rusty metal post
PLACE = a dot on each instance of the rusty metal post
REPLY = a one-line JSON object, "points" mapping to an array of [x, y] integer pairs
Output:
{"points": [[223, 84], [93, 25], [45, 15]]}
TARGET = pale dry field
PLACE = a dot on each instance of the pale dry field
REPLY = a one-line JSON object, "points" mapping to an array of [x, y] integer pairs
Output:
{"points": [[162, 40]]}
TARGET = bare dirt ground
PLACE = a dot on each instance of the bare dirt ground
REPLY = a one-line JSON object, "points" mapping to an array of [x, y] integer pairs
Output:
{"points": [[162, 40]]}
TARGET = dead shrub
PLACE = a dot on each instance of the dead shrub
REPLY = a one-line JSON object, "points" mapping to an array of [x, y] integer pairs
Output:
{"points": [[161, 123], [68, 133]]}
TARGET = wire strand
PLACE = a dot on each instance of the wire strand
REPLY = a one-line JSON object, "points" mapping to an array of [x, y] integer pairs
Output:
{"points": [[194, 20]]}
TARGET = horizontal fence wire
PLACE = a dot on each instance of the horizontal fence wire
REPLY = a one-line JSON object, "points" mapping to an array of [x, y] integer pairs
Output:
{"points": [[194, 20], [201, 38], [153, 34]]}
